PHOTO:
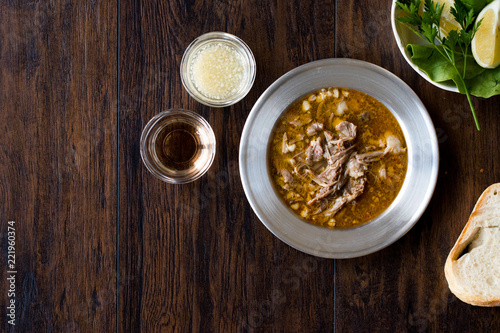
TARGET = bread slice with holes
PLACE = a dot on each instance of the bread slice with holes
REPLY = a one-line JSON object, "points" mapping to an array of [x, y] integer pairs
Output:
{"points": [[472, 268]]}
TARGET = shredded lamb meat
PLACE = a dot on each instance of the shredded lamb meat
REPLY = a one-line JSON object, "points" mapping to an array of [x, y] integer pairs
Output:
{"points": [[338, 157], [332, 164]]}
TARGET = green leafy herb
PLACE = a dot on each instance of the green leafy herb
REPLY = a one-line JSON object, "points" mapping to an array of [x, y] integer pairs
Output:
{"points": [[481, 82], [454, 48], [476, 5]]}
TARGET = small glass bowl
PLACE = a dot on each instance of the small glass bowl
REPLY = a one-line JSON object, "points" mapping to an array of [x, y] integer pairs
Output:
{"points": [[177, 146], [203, 44]]}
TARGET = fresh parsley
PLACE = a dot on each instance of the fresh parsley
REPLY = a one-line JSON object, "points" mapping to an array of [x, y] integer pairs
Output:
{"points": [[455, 47]]}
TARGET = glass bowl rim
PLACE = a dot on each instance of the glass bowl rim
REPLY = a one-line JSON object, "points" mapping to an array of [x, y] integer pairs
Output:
{"points": [[242, 48], [147, 132]]}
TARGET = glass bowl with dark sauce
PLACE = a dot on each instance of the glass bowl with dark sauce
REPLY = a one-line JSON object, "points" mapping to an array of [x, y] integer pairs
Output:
{"points": [[178, 146]]}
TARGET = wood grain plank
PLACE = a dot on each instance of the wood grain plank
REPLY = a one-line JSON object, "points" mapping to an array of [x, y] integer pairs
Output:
{"points": [[195, 257], [58, 173], [402, 288]]}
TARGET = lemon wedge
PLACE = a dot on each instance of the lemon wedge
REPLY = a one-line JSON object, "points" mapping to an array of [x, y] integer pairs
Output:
{"points": [[486, 42], [447, 21]]}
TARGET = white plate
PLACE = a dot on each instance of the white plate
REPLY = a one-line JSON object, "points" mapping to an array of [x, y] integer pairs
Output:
{"points": [[419, 182], [405, 36]]}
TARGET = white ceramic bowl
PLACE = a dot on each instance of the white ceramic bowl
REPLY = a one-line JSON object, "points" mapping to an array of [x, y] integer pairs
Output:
{"points": [[417, 188], [405, 36]]}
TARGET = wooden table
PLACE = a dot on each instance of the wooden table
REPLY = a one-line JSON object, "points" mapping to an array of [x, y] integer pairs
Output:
{"points": [[101, 245]]}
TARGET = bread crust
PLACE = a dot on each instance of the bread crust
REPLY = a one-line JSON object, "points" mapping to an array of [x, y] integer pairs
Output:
{"points": [[489, 198]]}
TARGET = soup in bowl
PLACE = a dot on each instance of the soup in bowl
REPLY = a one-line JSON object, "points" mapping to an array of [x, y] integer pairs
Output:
{"points": [[341, 129], [337, 157]]}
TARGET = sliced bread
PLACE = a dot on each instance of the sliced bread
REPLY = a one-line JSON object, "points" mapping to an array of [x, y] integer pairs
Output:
{"points": [[472, 268]]}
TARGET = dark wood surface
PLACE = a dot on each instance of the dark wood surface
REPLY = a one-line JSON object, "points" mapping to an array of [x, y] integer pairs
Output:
{"points": [[58, 169], [102, 245]]}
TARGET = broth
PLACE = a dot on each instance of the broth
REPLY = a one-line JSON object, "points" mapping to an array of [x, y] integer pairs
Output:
{"points": [[338, 157]]}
